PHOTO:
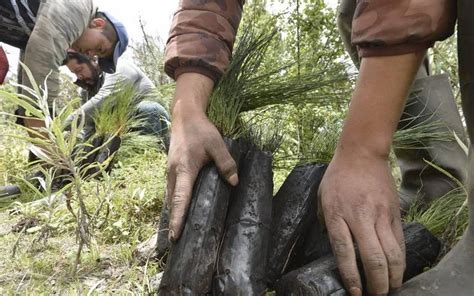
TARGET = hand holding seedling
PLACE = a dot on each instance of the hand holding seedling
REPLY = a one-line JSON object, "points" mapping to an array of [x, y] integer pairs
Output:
{"points": [[195, 141], [358, 197]]}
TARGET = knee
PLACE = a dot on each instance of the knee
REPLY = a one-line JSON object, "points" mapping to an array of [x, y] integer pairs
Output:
{"points": [[156, 118], [154, 109]]}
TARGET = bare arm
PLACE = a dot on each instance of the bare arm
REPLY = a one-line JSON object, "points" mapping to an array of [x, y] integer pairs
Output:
{"points": [[358, 195]]}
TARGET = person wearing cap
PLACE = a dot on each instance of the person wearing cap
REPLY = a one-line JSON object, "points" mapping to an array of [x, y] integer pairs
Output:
{"points": [[92, 42], [44, 30], [98, 86]]}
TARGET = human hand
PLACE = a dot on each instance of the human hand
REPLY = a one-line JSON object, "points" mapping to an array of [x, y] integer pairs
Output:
{"points": [[360, 204], [195, 141]]}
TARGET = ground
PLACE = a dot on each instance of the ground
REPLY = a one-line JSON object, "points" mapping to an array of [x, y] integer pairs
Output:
{"points": [[38, 234], [131, 201]]}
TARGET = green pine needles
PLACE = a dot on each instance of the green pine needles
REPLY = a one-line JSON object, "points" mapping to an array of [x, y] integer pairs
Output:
{"points": [[247, 85]]}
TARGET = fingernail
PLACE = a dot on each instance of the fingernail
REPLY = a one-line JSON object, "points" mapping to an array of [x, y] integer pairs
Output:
{"points": [[355, 292], [234, 180], [171, 236]]}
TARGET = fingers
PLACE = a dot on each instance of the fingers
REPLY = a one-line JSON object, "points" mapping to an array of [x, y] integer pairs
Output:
{"points": [[179, 201], [170, 183], [185, 161], [373, 259], [382, 253], [343, 249], [399, 236], [394, 249], [224, 162]]}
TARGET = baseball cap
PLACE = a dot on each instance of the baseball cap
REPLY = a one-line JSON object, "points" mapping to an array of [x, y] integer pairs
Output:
{"points": [[109, 64]]}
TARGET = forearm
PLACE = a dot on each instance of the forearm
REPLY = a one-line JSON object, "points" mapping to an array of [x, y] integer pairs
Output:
{"points": [[191, 96], [377, 103]]}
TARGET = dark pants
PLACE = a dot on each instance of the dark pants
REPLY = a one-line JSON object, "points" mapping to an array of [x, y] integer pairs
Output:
{"points": [[466, 79], [155, 119]]}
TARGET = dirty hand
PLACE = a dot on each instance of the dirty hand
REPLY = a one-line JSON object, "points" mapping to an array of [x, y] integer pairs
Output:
{"points": [[360, 205], [358, 196], [195, 141]]}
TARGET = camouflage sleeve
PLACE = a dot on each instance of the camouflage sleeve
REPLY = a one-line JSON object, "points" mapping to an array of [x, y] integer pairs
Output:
{"points": [[202, 37], [58, 24], [388, 27]]}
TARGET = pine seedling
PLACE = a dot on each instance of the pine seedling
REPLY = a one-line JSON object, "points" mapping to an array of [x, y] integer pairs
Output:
{"points": [[245, 86], [116, 115]]}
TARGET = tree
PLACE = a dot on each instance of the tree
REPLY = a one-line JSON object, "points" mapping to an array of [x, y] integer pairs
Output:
{"points": [[149, 55], [308, 42]]}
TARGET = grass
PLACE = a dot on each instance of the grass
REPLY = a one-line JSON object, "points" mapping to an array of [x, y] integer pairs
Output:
{"points": [[131, 199], [447, 217], [116, 114], [45, 268], [80, 240]]}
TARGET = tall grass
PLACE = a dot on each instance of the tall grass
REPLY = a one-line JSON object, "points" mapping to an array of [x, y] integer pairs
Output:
{"points": [[447, 217], [62, 154], [117, 115], [419, 135]]}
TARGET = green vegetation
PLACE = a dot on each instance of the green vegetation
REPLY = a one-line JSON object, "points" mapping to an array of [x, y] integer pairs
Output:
{"points": [[288, 89], [93, 223]]}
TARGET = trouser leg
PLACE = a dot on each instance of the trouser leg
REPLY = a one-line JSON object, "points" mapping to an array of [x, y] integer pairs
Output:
{"points": [[155, 118], [455, 273], [431, 101], [428, 102], [20, 111]]}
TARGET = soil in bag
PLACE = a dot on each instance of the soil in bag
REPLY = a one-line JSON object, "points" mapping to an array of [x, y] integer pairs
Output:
{"points": [[241, 268], [312, 245], [191, 262], [95, 143], [90, 157], [294, 211], [109, 147], [9, 191]]}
